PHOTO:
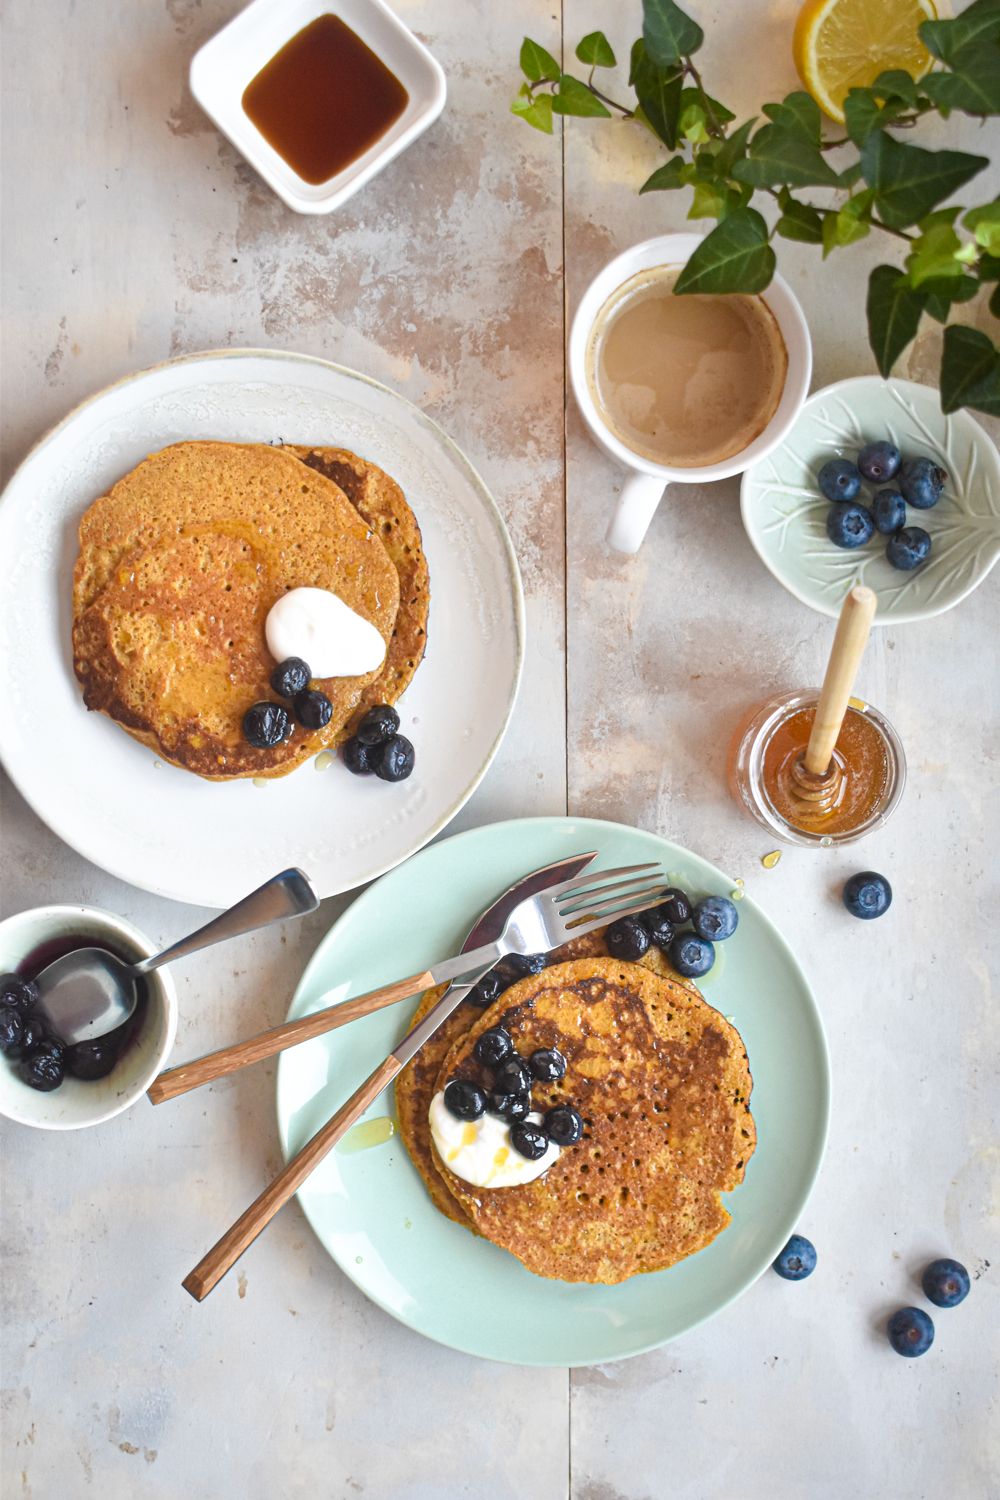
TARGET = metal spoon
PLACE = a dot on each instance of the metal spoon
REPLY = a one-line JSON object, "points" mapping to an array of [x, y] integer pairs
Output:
{"points": [[90, 992]]}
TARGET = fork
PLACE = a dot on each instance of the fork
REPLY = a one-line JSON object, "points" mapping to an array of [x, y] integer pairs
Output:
{"points": [[536, 925]]}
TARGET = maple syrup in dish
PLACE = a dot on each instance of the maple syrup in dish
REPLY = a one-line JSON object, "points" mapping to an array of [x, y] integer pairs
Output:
{"points": [[324, 99], [856, 795]]}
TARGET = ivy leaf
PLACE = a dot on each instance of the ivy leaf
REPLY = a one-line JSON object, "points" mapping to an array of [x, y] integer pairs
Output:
{"points": [[799, 221], [848, 224], [535, 111], [692, 125], [966, 34], [989, 268], [850, 176], [909, 181], [973, 86], [985, 225], [669, 34], [970, 371], [733, 148], [778, 159], [536, 63], [862, 114], [675, 173], [949, 289], [596, 51], [893, 316], [707, 104], [799, 115], [659, 93], [994, 302], [933, 254], [896, 83], [734, 257], [574, 98], [709, 201]]}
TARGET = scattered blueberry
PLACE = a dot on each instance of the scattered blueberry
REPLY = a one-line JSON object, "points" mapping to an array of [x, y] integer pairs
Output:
{"points": [[675, 906], [908, 548], [520, 964], [910, 1331], [509, 1106], [627, 939], [378, 725], [494, 1046], [464, 1100], [11, 1030], [45, 1068], [313, 709], [547, 1064], [946, 1283], [889, 510], [266, 725], [20, 993], [715, 918], [850, 525], [660, 928], [395, 760], [90, 1060], [512, 1077], [921, 482], [867, 895], [529, 1140], [691, 955], [797, 1260], [879, 461], [489, 988], [839, 480], [359, 758], [563, 1125], [290, 677]]}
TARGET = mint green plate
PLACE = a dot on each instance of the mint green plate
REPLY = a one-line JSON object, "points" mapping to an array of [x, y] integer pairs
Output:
{"points": [[370, 1208]]}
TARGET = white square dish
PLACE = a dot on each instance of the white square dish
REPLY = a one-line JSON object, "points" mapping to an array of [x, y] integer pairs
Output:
{"points": [[222, 68]]}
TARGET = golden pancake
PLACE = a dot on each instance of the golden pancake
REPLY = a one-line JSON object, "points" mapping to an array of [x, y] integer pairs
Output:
{"points": [[179, 565]]}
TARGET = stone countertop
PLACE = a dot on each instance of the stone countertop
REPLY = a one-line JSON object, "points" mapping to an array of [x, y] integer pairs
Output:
{"points": [[132, 231]]}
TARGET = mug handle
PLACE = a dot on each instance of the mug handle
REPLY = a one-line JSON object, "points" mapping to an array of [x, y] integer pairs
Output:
{"points": [[641, 494]]}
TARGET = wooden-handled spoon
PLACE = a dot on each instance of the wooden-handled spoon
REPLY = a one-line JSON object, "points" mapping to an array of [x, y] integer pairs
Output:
{"points": [[853, 629]]}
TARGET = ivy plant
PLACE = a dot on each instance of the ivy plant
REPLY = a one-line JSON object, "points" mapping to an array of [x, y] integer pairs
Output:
{"points": [[869, 179]]}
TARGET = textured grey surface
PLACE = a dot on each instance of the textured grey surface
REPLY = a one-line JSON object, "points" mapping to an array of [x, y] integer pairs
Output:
{"points": [[132, 231]]}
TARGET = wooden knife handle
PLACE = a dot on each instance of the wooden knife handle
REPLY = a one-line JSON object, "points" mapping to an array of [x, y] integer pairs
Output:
{"points": [[192, 1075], [227, 1251]]}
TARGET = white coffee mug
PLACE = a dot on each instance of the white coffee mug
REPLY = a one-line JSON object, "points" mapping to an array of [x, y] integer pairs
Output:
{"points": [[645, 485]]}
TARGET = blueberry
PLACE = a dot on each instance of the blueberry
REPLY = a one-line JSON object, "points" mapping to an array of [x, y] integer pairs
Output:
{"points": [[867, 895], [358, 758], [378, 725], [921, 482], [715, 918], [839, 480], [627, 939], [313, 709], [290, 677], [266, 725], [21, 994], [33, 1033], [910, 1331], [464, 1100], [797, 1260], [691, 956], [563, 1125], [45, 1068], [90, 1060], [394, 761], [889, 510], [946, 1283], [908, 548], [520, 964], [879, 461], [494, 1046], [547, 1064], [660, 928], [675, 906], [512, 1077], [489, 988], [850, 525], [529, 1140], [11, 1030], [515, 1106]]}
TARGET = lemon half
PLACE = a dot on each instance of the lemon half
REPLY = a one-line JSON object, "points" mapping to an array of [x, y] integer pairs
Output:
{"points": [[844, 44]]}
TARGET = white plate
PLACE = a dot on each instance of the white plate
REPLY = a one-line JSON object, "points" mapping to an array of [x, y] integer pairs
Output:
{"points": [[209, 843]]}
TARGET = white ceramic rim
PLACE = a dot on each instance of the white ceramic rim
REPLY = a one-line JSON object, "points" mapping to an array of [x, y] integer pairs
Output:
{"points": [[670, 250], [60, 916], [477, 482]]}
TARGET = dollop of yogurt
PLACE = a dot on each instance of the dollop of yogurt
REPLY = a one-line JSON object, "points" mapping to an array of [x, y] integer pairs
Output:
{"points": [[331, 637], [480, 1151]]}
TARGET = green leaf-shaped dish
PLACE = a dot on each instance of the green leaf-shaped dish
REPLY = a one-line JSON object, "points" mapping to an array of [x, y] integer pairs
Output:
{"points": [[785, 514]]}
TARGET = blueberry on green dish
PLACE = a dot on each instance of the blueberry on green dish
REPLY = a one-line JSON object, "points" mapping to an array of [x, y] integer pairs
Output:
{"points": [[627, 939], [910, 547], [715, 918], [691, 955], [850, 525], [839, 480], [879, 461], [921, 482]]}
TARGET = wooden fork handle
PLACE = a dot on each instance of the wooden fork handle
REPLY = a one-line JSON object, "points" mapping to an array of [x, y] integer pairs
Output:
{"points": [[192, 1075], [227, 1251]]}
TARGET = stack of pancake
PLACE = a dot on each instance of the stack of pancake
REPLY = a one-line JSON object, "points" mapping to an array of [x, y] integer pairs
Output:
{"points": [[179, 565], [663, 1085]]}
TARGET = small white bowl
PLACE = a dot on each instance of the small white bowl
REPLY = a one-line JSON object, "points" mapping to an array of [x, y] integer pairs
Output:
{"points": [[224, 66], [76, 1103]]}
